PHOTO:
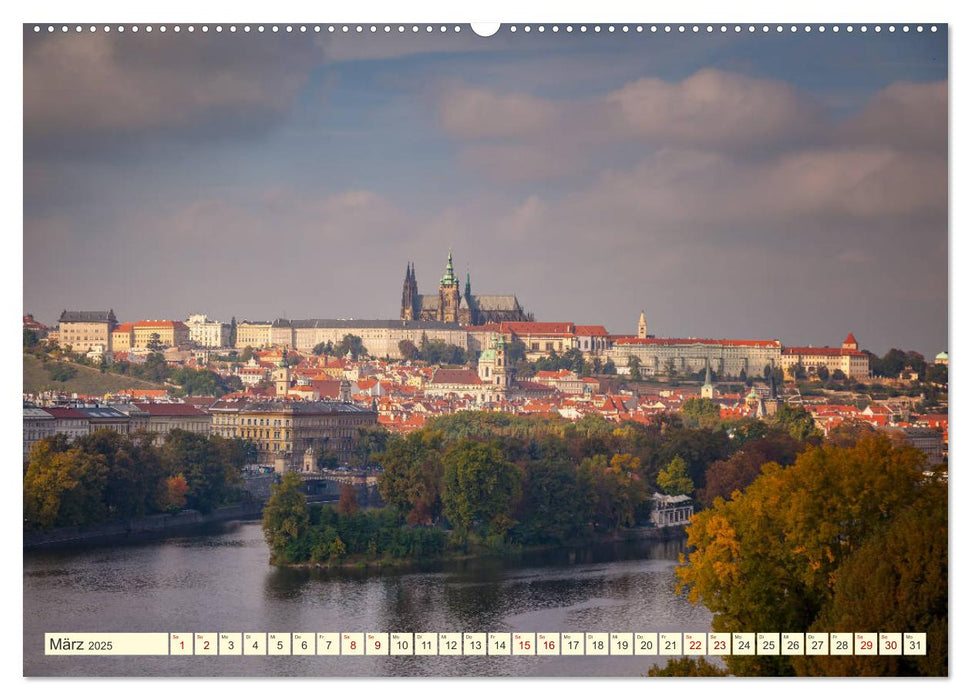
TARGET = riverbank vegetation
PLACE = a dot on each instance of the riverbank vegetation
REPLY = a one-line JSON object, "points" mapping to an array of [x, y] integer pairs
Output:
{"points": [[496, 481], [106, 476]]}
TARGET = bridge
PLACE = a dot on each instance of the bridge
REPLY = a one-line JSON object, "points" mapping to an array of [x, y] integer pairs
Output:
{"points": [[329, 482]]}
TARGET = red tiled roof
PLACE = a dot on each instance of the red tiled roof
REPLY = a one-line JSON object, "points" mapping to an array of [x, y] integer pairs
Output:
{"points": [[538, 328], [60, 412], [326, 388], [124, 327], [592, 330], [455, 376], [850, 340], [160, 324]]}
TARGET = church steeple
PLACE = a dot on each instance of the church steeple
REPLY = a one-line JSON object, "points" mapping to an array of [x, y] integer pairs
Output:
{"points": [[707, 389], [642, 326], [468, 286]]}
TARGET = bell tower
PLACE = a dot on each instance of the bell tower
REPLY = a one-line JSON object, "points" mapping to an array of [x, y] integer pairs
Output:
{"points": [[642, 326]]}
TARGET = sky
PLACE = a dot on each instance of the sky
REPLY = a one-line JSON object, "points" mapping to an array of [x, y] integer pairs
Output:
{"points": [[789, 186]]}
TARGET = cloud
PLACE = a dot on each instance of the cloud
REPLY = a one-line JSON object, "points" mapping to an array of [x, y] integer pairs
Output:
{"points": [[469, 113], [903, 115], [107, 86], [712, 108]]}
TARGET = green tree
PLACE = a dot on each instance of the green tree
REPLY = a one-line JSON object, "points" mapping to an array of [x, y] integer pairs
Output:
{"points": [[61, 371], [154, 342], [634, 365], [212, 467], [30, 339], [413, 474], [325, 349], [134, 471], [797, 421], [674, 480], [286, 520], [768, 558], [351, 344], [613, 490], [480, 487], [700, 413]]}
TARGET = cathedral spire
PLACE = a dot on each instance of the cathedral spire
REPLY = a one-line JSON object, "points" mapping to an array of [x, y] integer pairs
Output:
{"points": [[450, 280], [468, 285]]}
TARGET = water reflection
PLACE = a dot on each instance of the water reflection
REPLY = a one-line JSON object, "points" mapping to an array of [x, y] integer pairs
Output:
{"points": [[221, 581]]}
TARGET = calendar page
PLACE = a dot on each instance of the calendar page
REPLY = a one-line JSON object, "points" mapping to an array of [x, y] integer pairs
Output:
{"points": [[551, 349]]}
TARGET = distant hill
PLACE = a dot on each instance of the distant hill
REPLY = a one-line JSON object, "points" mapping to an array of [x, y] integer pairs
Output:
{"points": [[87, 381]]}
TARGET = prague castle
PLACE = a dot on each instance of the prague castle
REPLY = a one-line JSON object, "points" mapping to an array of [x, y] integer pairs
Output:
{"points": [[451, 305]]}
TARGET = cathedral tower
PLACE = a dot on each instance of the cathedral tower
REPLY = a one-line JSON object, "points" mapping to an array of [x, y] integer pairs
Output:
{"points": [[448, 294], [642, 326], [409, 295]]}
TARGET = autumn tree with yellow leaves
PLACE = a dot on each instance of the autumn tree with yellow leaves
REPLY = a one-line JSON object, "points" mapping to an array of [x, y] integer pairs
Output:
{"points": [[786, 555]]}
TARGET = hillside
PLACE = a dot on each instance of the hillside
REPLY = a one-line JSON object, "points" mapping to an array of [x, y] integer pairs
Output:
{"points": [[88, 381]]}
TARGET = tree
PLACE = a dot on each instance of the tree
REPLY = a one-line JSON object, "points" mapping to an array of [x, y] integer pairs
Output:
{"points": [[700, 413], [212, 466], [173, 494], [822, 371], [247, 354], [408, 350], [480, 487], [154, 342], [838, 375], [30, 339], [62, 372], [725, 477], [347, 503], [936, 374], [674, 480], [286, 520], [351, 344], [797, 421], [413, 475], [63, 486], [609, 367], [613, 490], [634, 367], [232, 332], [670, 368], [897, 580], [768, 558]]}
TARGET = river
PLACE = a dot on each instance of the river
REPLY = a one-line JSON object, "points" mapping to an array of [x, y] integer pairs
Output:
{"points": [[219, 580]]}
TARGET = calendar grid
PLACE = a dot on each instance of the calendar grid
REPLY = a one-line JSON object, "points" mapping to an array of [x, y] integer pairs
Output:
{"points": [[486, 644]]}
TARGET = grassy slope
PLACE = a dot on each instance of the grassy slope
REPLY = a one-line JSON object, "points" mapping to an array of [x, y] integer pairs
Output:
{"points": [[88, 381]]}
